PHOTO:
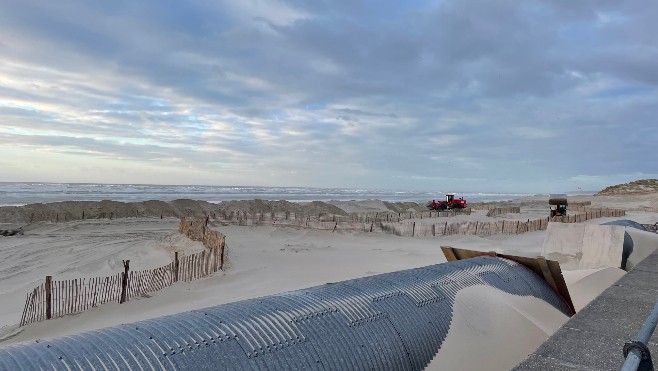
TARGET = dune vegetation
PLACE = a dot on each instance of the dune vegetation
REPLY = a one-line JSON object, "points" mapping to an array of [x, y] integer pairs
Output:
{"points": [[634, 187]]}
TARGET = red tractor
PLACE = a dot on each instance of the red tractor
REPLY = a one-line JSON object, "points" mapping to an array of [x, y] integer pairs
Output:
{"points": [[451, 203]]}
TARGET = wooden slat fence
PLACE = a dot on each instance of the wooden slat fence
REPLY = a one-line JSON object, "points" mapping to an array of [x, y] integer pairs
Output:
{"points": [[291, 218], [57, 298], [422, 228], [148, 281], [70, 296], [503, 210]]}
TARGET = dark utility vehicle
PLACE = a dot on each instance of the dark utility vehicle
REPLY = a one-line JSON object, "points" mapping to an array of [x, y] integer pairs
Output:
{"points": [[558, 203]]}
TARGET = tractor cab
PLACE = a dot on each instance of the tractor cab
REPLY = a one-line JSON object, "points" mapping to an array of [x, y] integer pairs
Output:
{"points": [[450, 198], [558, 204]]}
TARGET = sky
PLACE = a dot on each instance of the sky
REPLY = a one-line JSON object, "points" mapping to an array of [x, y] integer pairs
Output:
{"points": [[498, 95]]}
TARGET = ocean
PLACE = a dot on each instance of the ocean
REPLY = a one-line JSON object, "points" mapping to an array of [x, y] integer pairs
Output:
{"points": [[16, 194]]}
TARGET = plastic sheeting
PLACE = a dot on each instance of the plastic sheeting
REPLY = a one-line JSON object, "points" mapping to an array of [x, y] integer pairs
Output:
{"points": [[393, 321]]}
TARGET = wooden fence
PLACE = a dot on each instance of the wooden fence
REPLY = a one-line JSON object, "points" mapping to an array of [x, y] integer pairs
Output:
{"points": [[428, 228], [418, 229], [503, 210], [247, 218], [57, 298]]}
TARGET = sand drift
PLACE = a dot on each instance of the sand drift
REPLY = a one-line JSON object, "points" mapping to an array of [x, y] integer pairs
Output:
{"points": [[393, 321]]}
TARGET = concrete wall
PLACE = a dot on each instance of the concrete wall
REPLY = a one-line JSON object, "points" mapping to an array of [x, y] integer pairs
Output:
{"points": [[584, 246]]}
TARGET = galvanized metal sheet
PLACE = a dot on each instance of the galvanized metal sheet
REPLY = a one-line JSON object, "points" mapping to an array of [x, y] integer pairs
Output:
{"points": [[393, 321]]}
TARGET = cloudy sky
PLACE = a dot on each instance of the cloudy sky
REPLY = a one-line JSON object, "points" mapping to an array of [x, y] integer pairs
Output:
{"points": [[498, 95]]}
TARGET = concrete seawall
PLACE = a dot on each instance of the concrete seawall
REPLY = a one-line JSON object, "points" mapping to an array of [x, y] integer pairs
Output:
{"points": [[593, 339]]}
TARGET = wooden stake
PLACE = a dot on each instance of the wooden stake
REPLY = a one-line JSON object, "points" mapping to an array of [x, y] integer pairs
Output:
{"points": [[176, 266], [124, 281], [49, 297], [221, 260], [27, 304]]}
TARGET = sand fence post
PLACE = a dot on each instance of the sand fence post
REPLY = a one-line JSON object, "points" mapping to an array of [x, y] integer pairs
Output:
{"points": [[215, 260], [49, 297], [176, 266], [124, 281], [202, 263], [221, 260]]}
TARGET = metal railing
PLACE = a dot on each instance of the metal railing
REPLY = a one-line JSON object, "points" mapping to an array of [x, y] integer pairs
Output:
{"points": [[637, 354]]}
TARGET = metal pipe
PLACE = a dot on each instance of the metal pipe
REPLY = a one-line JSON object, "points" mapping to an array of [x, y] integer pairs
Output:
{"points": [[649, 325], [388, 321], [632, 360], [637, 351]]}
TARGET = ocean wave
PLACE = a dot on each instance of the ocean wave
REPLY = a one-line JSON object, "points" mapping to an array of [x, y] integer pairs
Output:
{"points": [[26, 193]]}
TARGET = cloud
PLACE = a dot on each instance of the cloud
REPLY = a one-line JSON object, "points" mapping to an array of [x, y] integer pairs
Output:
{"points": [[496, 95]]}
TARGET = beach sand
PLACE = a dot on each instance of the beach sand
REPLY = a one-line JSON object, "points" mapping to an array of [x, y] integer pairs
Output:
{"points": [[488, 325]]}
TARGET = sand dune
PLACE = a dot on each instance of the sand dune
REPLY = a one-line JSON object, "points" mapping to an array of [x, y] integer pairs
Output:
{"points": [[585, 285], [268, 260], [493, 328], [264, 260]]}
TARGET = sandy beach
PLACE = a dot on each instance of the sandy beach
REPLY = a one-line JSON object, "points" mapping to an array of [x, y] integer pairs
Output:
{"points": [[273, 184], [268, 259]]}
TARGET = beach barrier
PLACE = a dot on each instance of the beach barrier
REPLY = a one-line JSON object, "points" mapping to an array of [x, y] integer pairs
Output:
{"points": [[503, 210], [392, 321], [418, 228], [573, 205], [586, 246], [57, 298], [246, 218], [67, 211]]}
